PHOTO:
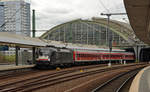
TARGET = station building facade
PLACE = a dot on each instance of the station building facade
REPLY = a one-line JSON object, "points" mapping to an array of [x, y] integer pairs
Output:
{"points": [[92, 32]]}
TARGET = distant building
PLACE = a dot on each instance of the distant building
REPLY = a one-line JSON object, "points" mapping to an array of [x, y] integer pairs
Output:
{"points": [[15, 17]]}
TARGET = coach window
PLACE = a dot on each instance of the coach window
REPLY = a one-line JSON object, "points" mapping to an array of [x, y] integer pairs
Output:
{"points": [[106, 56], [82, 55], [93, 55], [78, 55], [87, 55]]}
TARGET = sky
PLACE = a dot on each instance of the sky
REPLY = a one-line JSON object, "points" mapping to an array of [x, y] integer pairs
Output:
{"points": [[50, 13]]}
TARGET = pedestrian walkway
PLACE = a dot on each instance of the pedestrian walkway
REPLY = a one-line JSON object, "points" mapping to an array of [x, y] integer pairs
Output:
{"points": [[141, 82], [14, 67]]}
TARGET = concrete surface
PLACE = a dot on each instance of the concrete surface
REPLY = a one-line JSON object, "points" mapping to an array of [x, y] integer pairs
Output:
{"points": [[13, 67], [141, 82]]}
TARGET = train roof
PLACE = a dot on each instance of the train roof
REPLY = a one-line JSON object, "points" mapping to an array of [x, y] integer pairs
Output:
{"points": [[79, 46], [96, 49]]}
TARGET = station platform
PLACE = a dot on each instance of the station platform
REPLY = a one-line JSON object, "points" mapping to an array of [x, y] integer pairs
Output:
{"points": [[14, 67], [141, 82]]}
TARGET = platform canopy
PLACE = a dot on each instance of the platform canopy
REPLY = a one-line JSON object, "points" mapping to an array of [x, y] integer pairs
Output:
{"points": [[139, 15], [12, 39]]}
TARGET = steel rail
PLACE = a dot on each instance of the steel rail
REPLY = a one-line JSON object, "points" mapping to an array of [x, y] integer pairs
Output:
{"points": [[48, 82], [125, 82], [97, 89]]}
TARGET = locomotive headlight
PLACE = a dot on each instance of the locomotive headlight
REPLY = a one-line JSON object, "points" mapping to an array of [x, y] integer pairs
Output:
{"points": [[49, 59]]}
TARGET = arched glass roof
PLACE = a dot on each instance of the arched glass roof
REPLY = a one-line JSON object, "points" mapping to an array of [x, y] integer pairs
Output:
{"points": [[92, 32]]}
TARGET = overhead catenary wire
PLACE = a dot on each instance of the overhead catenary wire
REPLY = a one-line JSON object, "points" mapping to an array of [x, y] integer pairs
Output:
{"points": [[104, 6], [107, 9], [115, 5]]}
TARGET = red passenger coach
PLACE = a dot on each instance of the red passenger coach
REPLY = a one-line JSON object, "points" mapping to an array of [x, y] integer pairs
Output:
{"points": [[92, 55], [129, 56], [86, 56]]}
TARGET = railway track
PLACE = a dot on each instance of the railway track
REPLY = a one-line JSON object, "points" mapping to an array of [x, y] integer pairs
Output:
{"points": [[57, 73], [49, 79], [126, 84], [16, 72], [117, 83]]}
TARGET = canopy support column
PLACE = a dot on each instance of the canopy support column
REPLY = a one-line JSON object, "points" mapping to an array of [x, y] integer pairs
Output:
{"points": [[17, 48], [137, 50], [33, 55]]}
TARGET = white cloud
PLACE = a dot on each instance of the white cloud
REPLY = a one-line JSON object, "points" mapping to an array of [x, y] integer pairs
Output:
{"points": [[53, 12]]}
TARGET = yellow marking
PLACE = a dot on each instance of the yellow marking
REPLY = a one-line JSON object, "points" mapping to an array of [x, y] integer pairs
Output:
{"points": [[58, 68], [81, 71]]}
